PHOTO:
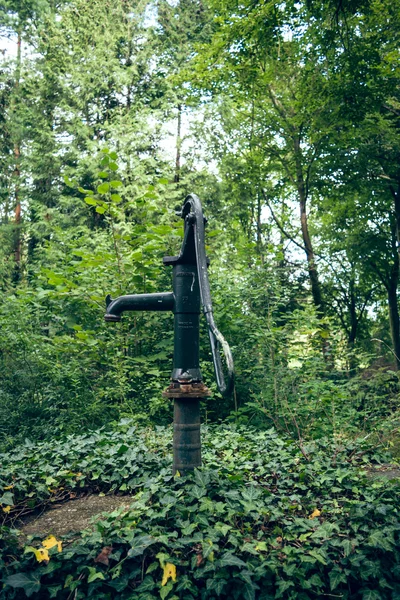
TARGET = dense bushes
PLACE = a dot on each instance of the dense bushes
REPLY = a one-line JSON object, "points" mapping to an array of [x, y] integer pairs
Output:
{"points": [[263, 519]]}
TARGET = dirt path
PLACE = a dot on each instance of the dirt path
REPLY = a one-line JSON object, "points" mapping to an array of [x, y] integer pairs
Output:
{"points": [[72, 516]]}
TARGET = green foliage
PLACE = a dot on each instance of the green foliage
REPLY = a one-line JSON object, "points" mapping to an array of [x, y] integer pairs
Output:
{"points": [[258, 521]]}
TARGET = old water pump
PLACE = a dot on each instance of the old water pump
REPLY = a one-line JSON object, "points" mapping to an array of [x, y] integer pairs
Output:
{"points": [[191, 289]]}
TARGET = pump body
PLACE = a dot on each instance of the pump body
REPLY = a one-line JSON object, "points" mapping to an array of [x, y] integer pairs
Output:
{"points": [[190, 292]]}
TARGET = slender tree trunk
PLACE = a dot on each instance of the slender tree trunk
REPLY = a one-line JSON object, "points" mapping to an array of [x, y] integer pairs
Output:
{"points": [[17, 170], [312, 267], [393, 283], [393, 305], [353, 315], [178, 146], [258, 224], [394, 319]]}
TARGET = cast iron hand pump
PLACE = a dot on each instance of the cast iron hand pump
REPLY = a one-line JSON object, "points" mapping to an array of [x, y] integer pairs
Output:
{"points": [[190, 289]]}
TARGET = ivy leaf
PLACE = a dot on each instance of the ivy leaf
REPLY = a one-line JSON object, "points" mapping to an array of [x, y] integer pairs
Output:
{"points": [[113, 166], [318, 556], [169, 572], [103, 175], [139, 545], [166, 590], [41, 554], [29, 583], [379, 539], [248, 592], [7, 498], [369, 594], [202, 478], [93, 574], [53, 590], [116, 184], [113, 155], [230, 560], [336, 577], [216, 585], [316, 513], [51, 542]]}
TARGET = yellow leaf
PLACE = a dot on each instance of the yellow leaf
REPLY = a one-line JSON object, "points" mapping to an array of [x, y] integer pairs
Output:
{"points": [[169, 573], [50, 542], [7, 509], [8, 487], [314, 514], [41, 554]]}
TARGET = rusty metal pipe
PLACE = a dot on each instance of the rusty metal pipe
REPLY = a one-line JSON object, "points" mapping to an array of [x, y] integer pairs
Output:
{"points": [[187, 444]]}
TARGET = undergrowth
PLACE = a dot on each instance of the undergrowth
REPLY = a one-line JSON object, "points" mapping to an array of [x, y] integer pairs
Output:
{"points": [[262, 519]]}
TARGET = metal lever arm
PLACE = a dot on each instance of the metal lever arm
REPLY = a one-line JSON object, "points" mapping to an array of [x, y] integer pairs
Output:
{"points": [[192, 210]]}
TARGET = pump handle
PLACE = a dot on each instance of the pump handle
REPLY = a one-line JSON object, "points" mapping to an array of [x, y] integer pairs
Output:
{"points": [[192, 212]]}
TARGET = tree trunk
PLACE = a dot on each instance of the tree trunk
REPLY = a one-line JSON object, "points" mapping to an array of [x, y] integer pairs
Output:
{"points": [[394, 319], [17, 173], [312, 267], [178, 146], [258, 225]]}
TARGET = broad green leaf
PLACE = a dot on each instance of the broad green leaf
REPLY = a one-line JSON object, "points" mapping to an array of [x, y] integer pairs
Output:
{"points": [[139, 545], [201, 477], [69, 182], [231, 560], [103, 188], [7, 498], [30, 583], [93, 574], [336, 577], [369, 594], [116, 184], [164, 591], [90, 201]]}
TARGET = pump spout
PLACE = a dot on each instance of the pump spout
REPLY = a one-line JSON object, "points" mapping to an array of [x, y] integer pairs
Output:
{"points": [[158, 302]]}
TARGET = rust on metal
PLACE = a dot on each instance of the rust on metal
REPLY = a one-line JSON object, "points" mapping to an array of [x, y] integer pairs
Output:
{"points": [[186, 390]]}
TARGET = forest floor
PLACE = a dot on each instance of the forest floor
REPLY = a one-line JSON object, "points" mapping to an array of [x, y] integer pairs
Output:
{"points": [[262, 519], [73, 516]]}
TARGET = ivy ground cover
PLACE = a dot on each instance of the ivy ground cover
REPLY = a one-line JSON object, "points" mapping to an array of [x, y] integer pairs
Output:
{"points": [[261, 520]]}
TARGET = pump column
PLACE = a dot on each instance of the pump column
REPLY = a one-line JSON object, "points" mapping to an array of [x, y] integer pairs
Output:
{"points": [[187, 386]]}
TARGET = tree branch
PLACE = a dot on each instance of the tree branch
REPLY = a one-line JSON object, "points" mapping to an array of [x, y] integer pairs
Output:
{"points": [[280, 226]]}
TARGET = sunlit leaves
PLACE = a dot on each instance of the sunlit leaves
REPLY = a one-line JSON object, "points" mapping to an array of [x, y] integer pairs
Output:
{"points": [[103, 188]]}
